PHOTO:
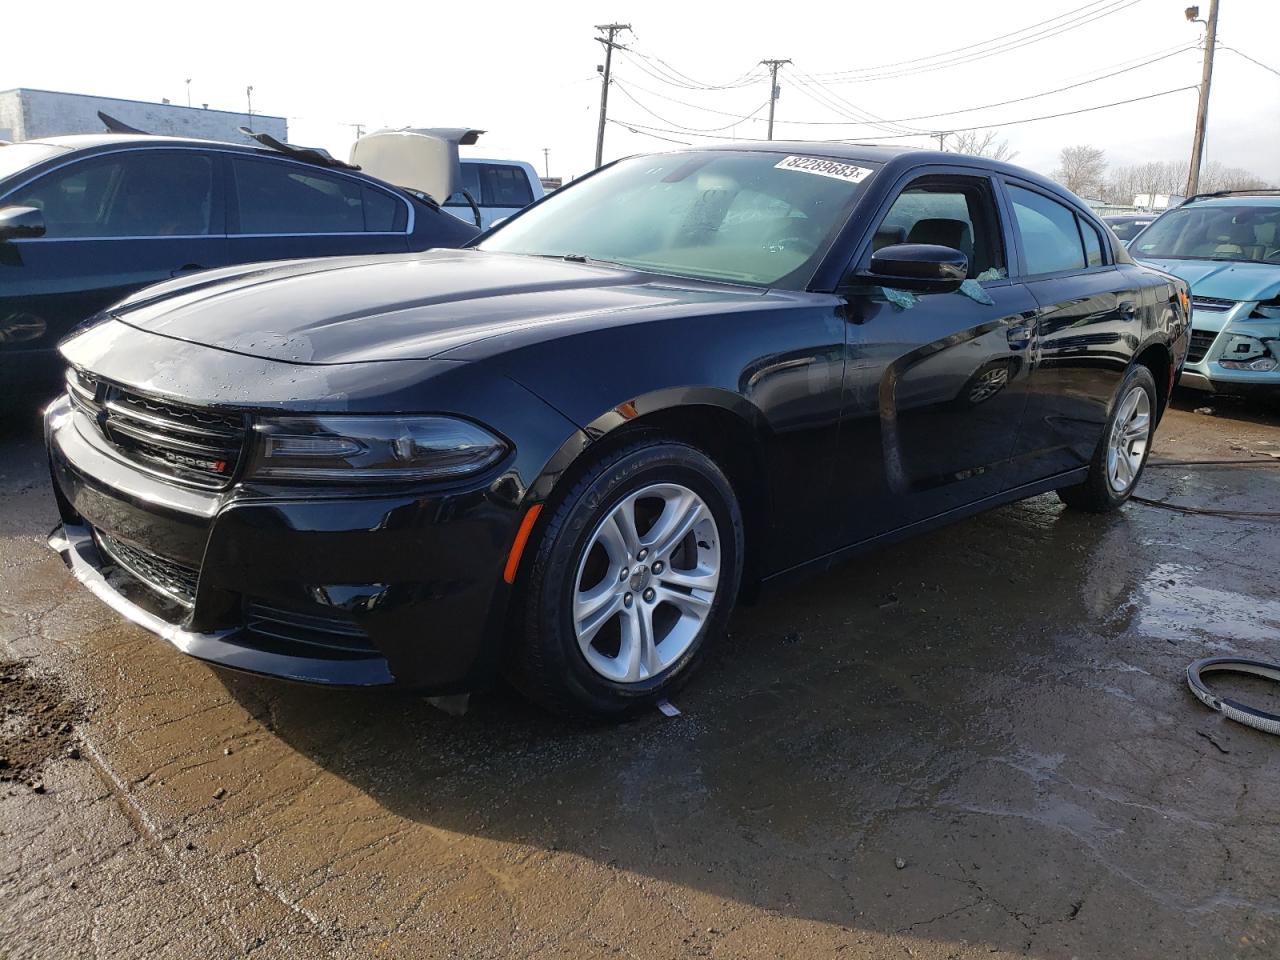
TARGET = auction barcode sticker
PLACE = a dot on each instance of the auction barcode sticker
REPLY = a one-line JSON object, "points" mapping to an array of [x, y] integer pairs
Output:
{"points": [[825, 168]]}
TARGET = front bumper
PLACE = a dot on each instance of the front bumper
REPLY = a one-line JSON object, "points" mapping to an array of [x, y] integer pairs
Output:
{"points": [[1212, 334], [401, 587]]}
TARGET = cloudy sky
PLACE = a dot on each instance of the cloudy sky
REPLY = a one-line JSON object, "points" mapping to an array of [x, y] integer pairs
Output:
{"points": [[527, 72]]}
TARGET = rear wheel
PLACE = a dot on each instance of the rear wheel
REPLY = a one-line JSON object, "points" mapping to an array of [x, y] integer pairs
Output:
{"points": [[634, 575], [1122, 452]]}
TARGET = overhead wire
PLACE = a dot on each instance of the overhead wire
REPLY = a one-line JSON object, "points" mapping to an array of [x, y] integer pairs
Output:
{"points": [[1004, 103], [972, 46], [622, 88], [846, 77], [988, 126]]}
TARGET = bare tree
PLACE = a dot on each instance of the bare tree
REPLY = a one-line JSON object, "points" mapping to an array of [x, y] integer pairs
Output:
{"points": [[1081, 169], [1215, 176], [987, 144], [1126, 184]]}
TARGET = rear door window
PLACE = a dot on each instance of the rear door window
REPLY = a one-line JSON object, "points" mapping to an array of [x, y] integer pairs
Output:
{"points": [[141, 193], [292, 198], [1051, 239]]}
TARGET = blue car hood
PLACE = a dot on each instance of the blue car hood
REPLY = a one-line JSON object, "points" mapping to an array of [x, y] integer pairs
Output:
{"points": [[1224, 279]]}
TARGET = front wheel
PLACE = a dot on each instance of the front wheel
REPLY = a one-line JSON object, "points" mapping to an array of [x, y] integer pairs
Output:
{"points": [[1122, 452], [633, 578]]}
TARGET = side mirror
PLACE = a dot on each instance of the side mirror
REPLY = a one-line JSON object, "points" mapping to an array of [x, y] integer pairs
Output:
{"points": [[917, 267], [20, 222]]}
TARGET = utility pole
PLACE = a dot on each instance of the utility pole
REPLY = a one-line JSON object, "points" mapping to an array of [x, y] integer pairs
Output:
{"points": [[773, 66], [359, 129], [546, 161], [611, 30], [942, 139], [188, 91], [248, 96], [1202, 108]]}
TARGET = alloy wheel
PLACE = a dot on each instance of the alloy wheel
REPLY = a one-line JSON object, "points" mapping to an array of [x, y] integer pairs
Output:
{"points": [[1130, 436], [646, 582]]}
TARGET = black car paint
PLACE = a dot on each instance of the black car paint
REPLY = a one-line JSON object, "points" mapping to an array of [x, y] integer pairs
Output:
{"points": [[49, 285], [850, 414]]}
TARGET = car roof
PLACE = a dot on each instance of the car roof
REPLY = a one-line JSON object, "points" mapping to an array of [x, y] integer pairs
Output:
{"points": [[887, 155], [90, 141], [1237, 200]]}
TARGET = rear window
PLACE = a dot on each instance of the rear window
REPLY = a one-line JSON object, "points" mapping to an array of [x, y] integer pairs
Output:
{"points": [[493, 185]]}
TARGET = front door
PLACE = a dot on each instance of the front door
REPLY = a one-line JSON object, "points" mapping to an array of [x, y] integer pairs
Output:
{"points": [[936, 384], [114, 223]]}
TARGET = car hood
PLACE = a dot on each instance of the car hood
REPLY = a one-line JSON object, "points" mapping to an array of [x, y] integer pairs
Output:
{"points": [[1223, 279], [403, 307]]}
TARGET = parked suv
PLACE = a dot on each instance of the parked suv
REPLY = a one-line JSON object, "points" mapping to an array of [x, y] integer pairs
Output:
{"points": [[87, 220], [1227, 247]]}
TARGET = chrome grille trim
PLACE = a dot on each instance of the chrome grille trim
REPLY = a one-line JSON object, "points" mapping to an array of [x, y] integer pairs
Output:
{"points": [[191, 445], [1212, 303]]}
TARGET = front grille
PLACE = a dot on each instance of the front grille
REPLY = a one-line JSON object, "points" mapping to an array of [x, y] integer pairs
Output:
{"points": [[164, 576], [327, 633], [191, 444], [1201, 341], [1216, 304]]}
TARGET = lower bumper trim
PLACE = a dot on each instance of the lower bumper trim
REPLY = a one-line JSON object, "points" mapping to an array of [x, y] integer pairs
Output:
{"points": [[74, 542]]}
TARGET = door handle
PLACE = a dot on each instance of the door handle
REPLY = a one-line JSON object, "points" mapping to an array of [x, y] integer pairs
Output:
{"points": [[1128, 309], [186, 268]]}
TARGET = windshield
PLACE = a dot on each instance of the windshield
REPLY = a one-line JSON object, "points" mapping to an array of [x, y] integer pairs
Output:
{"points": [[1126, 230], [16, 157], [1213, 232], [747, 217]]}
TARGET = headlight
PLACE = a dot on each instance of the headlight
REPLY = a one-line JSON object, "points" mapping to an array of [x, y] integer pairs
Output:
{"points": [[371, 448]]}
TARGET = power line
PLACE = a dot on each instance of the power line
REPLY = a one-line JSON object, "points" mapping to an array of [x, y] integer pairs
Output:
{"points": [[976, 56], [1004, 103], [987, 126], [1064, 113], [672, 123], [1250, 59], [679, 78], [971, 46], [643, 133]]}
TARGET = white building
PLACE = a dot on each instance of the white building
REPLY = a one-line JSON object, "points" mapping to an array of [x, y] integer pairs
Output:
{"points": [[32, 114]]}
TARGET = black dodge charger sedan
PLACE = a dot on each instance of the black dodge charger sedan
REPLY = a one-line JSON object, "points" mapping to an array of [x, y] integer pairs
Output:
{"points": [[562, 453], [85, 220]]}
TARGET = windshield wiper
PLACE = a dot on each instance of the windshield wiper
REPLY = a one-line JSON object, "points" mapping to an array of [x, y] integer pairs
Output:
{"points": [[574, 257]]}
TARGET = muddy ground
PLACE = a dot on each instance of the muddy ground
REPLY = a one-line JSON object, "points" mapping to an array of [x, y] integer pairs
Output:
{"points": [[976, 744]]}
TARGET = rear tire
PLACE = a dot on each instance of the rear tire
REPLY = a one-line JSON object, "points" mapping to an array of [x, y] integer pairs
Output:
{"points": [[1122, 451], [619, 606]]}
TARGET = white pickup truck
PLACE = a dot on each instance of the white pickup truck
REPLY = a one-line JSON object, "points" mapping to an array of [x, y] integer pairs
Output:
{"points": [[426, 160], [499, 188]]}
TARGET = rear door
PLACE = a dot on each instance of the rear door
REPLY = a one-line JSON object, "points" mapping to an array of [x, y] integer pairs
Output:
{"points": [[114, 222], [1084, 337], [281, 209], [936, 384]]}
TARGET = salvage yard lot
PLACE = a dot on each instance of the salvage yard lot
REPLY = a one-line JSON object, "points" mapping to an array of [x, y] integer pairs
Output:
{"points": [[975, 744]]}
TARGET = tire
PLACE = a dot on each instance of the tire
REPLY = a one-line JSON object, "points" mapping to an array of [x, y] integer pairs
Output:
{"points": [[1100, 492], [602, 675]]}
